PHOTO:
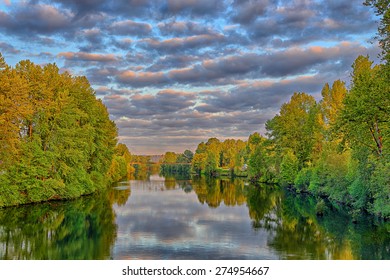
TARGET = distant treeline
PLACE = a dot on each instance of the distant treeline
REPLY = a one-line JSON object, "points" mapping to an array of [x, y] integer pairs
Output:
{"points": [[56, 138]]}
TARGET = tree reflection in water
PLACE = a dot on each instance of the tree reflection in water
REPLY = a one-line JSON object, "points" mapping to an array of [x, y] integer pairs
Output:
{"points": [[80, 229], [285, 223]]}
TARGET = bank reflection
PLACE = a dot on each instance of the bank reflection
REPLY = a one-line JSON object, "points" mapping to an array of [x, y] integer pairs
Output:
{"points": [[82, 229], [171, 217]]}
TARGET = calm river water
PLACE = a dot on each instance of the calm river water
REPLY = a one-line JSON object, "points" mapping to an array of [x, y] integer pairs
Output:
{"points": [[163, 218]]}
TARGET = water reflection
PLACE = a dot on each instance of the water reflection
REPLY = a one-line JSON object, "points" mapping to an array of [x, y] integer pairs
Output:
{"points": [[81, 229], [174, 218]]}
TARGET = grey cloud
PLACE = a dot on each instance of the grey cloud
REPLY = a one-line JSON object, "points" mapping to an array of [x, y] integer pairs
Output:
{"points": [[248, 65], [104, 90], [167, 101], [296, 14], [258, 95], [81, 7], [186, 28], [142, 79], [195, 8], [180, 131], [138, 8], [147, 105], [94, 39], [8, 48], [245, 12], [39, 18], [133, 8], [122, 44], [174, 45], [304, 21], [172, 62], [129, 27], [101, 76], [83, 56]]}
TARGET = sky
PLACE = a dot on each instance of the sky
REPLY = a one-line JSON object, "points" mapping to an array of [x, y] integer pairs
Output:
{"points": [[174, 73]]}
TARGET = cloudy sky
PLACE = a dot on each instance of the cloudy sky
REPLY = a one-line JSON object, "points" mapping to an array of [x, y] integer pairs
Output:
{"points": [[173, 73]]}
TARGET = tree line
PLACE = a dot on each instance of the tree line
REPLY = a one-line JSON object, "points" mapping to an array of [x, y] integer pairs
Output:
{"points": [[336, 148], [56, 138]]}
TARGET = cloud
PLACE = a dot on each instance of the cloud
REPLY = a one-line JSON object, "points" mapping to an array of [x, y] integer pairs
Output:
{"points": [[193, 8], [83, 56], [245, 12], [259, 95], [35, 18], [82, 7], [282, 63], [184, 28], [182, 44], [172, 61], [142, 79], [101, 75], [129, 27], [8, 48], [166, 102], [299, 60]]}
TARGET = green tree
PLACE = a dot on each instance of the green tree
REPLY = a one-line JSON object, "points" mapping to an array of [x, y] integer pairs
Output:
{"points": [[382, 9], [288, 168], [56, 138], [364, 120], [332, 101], [297, 128], [170, 158]]}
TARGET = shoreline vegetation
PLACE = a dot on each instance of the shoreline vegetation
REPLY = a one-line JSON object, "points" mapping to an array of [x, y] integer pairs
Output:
{"points": [[57, 141]]}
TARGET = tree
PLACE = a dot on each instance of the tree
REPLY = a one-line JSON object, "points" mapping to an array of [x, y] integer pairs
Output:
{"points": [[3, 64], [123, 151], [382, 8], [296, 127], [56, 138], [364, 120], [332, 101], [170, 158], [185, 157], [288, 168]]}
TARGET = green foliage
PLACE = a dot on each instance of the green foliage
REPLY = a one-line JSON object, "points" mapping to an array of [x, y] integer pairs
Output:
{"points": [[380, 187], [288, 169], [382, 9], [303, 179], [56, 136], [213, 156], [185, 157], [170, 158], [329, 176], [320, 207], [261, 166], [364, 120], [332, 102], [79, 229], [297, 128], [177, 164]]}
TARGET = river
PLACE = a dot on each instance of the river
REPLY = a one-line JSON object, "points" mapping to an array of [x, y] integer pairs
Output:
{"points": [[165, 218]]}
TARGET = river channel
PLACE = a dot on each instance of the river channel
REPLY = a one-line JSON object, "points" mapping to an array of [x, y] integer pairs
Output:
{"points": [[164, 218]]}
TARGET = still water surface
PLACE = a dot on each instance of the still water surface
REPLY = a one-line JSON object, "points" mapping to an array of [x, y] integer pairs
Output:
{"points": [[164, 218]]}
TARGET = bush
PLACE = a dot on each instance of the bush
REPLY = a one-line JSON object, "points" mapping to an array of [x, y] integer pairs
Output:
{"points": [[302, 180], [288, 169]]}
